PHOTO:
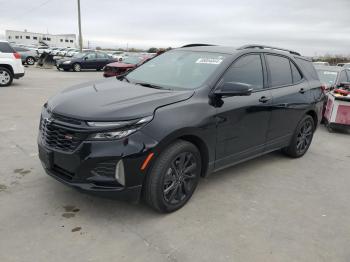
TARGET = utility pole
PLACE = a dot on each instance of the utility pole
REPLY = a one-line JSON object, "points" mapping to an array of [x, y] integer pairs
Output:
{"points": [[79, 23]]}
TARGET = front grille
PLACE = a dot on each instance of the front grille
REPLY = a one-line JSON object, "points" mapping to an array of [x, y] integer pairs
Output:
{"points": [[59, 137]]}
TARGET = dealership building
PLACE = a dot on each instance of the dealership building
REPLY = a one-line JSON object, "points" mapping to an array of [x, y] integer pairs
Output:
{"points": [[30, 38]]}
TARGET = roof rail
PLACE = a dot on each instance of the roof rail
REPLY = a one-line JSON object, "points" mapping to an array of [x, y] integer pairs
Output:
{"points": [[268, 47], [194, 45]]}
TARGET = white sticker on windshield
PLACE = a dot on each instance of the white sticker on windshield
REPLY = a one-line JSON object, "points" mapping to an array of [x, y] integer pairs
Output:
{"points": [[212, 61]]}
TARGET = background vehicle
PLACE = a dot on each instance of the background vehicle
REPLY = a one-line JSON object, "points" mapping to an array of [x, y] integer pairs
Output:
{"points": [[43, 49], [332, 76], [10, 64], [181, 115], [71, 52], [340, 64], [28, 56], [346, 65], [88, 60], [118, 68], [321, 63]]}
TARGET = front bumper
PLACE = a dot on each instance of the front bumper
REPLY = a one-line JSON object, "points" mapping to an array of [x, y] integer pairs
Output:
{"points": [[64, 66], [91, 166], [19, 75]]}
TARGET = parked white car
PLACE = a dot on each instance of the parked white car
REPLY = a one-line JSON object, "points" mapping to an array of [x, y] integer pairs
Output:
{"points": [[10, 64]]}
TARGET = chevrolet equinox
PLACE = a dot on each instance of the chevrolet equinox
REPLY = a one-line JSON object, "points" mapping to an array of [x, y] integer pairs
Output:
{"points": [[154, 131]]}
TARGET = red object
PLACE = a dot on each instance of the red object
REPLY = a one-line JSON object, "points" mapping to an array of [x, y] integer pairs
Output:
{"points": [[17, 55], [343, 115], [342, 92], [118, 68], [328, 111]]}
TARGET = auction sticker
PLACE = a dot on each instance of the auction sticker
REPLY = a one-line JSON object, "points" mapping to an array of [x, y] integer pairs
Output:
{"points": [[212, 61]]}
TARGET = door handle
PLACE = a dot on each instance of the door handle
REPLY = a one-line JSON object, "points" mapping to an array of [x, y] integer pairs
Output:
{"points": [[302, 91], [264, 99]]}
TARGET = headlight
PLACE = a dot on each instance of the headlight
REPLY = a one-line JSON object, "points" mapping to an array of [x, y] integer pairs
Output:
{"points": [[120, 129], [67, 62]]}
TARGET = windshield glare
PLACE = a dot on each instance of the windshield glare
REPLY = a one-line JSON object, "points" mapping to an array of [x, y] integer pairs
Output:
{"points": [[327, 77], [178, 69]]}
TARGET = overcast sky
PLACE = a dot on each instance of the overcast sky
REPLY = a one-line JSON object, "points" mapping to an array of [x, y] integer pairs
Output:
{"points": [[309, 26]]}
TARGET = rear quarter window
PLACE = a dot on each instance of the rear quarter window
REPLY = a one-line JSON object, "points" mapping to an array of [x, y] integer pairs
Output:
{"points": [[307, 68], [6, 48]]}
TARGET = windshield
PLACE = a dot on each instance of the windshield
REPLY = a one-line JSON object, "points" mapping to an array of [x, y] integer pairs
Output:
{"points": [[178, 69], [327, 77], [132, 60]]}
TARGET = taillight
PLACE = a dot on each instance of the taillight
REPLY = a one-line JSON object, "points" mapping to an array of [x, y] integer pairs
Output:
{"points": [[17, 55]]}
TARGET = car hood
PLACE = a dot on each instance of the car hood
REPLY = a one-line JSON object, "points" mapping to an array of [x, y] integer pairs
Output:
{"points": [[112, 100], [120, 65]]}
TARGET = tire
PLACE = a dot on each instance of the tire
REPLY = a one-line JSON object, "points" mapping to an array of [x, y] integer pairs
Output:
{"points": [[76, 67], [30, 60], [6, 77], [302, 138], [168, 187]]}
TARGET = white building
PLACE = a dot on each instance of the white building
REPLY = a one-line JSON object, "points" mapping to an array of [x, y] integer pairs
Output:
{"points": [[30, 38]]}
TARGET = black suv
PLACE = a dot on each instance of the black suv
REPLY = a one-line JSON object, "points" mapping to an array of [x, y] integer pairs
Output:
{"points": [[182, 115]]}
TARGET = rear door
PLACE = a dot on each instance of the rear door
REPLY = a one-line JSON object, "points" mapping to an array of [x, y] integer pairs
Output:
{"points": [[242, 121], [102, 60], [290, 98]]}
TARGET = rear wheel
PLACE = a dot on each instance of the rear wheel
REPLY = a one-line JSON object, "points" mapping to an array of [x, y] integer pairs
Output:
{"points": [[76, 67], [174, 177], [302, 138], [6, 77], [30, 60]]}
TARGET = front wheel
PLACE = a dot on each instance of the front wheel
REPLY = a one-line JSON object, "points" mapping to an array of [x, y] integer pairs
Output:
{"points": [[302, 138], [76, 67], [174, 177]]}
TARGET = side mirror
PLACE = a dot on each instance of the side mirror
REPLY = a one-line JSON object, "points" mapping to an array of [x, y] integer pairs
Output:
{"points": [[234, 89], [86, 58]]}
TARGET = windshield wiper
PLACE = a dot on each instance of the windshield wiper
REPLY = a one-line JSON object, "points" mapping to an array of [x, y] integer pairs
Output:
{"points": [[152, 86]]}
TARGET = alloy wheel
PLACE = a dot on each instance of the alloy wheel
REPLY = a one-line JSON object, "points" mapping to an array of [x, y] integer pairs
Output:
{"points": [[180, 178], [30, 61], [304, 136], [77, 68], [5, 77]]}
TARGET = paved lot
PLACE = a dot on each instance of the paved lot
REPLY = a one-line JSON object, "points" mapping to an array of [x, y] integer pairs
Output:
{"points": [[269, 209]]}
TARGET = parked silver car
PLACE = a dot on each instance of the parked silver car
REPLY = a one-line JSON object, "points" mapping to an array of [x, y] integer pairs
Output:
{"points": [[28, 56]]}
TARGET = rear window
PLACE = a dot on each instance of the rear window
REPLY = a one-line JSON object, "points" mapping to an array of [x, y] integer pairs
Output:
{"points": [[327, 77], [307, 67], [6, 48]]}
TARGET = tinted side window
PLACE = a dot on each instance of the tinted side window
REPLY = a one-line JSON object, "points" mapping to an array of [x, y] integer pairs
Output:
{"points": [[343, 77], [280, 72], [91, 56], [101, 55], [295, 73], [5, 48], [247, 70], [307, 67]]}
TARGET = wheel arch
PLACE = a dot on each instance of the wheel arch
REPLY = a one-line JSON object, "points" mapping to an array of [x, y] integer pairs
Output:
{"points": [[314, 116], [9, 67], [193, 138]]}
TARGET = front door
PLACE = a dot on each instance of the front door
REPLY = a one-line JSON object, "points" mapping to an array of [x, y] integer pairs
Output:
{"points": [[243, 121], [89, 61]]}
